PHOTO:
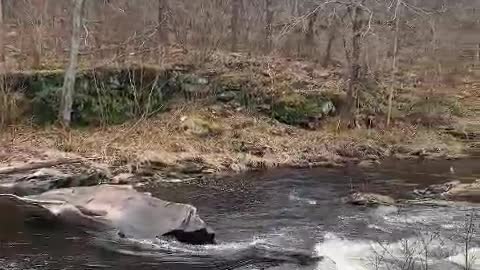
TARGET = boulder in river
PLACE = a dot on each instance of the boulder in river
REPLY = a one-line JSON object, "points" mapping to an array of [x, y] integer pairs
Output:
{"points": [[470, 191], [368, 199], [120, 209], [437, 190]]}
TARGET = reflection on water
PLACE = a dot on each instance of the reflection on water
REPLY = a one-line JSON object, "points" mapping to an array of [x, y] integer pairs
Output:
{"points": [[269, 220]]}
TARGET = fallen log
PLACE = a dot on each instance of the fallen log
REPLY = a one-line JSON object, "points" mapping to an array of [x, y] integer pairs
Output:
{"points": [[37, 165]]}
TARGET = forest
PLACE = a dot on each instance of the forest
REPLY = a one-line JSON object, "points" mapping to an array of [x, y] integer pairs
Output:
{"points": [[240, 134], [324, 68]]}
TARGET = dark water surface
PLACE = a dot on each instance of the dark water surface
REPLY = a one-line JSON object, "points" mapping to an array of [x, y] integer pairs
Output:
{"points": [[262, 218]]}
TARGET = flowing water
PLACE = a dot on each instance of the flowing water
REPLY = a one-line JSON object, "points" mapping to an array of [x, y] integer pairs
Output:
{"points": [[266, 220]]}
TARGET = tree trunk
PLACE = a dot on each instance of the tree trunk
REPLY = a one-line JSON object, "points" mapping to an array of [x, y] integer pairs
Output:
{"points": [[477, 56], [394, 61], [310, 35], [70, 75], [36, 34], [332, 35], [163, 22], [268, 25], [236, 6], [348, 112], [296, 9], [3, 95], [328, 51], [2, 35], [36, 47]]}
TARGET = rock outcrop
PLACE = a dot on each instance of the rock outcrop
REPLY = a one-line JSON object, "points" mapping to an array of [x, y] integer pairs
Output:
{"points": [[471, 191], [368, 199], [46, 179], [451, 190], [437, 190], [118, 209]]}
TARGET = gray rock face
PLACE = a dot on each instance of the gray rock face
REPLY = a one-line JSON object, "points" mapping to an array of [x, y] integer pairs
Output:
{"points": [[117, 208]]}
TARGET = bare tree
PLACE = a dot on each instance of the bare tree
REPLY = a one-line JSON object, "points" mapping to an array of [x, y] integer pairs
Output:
{"points": [[37, 10], [394, 60], [71, 73], [235, 27], [333, 24], [310, 34], [469, 234], [269, 25], [163, 21], [2, 35], [357, 15]]}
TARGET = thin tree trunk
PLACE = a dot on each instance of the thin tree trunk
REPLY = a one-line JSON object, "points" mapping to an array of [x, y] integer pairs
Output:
{"points": [[269, 25], [477, 56], [310, 34], [36, 35], [2, 35], [36, 47], [328, 51], [394, 62], [348, 112], [4, 99], [70, 75], [296, 10], [332, 35], [163, 22], [236, 6]]}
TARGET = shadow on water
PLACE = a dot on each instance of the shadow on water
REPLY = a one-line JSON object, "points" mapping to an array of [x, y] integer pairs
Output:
{"points": [[280, 219]]}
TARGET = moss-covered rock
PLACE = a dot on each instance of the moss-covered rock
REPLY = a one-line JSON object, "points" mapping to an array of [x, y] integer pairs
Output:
{"points": [[296, 109], [102, 96]]}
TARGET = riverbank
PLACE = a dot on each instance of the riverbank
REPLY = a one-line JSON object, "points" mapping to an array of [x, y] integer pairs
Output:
{"points": [[241, 142], [233, 113]]}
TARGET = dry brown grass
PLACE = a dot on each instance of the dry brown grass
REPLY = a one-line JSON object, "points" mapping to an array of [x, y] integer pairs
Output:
{"points": [[10, 107], [247, 141]]}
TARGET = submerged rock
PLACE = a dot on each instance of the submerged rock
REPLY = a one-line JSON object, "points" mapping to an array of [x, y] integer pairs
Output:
{"points": [[118, 209], [368, 199], [366, 164]]}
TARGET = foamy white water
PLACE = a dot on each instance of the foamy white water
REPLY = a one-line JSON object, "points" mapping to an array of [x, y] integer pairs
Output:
{"points": [[370, 255], [293, 196]]}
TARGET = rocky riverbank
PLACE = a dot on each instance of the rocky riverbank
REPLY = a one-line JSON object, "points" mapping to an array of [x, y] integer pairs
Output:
{"points": [[231, 114], [166, 148]]}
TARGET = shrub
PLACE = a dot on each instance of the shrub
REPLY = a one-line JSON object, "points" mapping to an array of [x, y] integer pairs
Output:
{"points": [[434, 110]]}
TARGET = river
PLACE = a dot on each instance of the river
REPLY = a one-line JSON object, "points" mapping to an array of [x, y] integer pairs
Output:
{"points": [[262, 218]]}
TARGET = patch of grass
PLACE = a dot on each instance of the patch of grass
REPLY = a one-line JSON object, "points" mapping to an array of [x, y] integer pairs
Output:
{"points": [[434, 110], [12, 107]]}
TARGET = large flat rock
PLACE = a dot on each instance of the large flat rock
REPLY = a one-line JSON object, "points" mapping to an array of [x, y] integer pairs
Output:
{"points": [[121, 209]]}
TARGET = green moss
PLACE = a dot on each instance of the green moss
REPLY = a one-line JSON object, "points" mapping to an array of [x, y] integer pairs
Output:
{"points": [[296, 109], [102, 96]]}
